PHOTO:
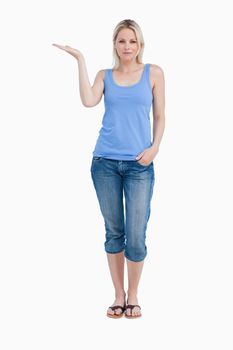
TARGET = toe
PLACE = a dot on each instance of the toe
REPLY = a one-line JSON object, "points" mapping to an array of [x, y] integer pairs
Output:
{"points": [[128, 312], [136, 311], [118, 311], [110, 311]]}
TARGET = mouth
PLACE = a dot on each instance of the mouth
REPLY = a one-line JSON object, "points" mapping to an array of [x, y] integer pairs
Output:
{"points": [[127, 53]]}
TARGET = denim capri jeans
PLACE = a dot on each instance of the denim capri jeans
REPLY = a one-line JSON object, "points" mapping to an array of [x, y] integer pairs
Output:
{"points": [[124, 190]]}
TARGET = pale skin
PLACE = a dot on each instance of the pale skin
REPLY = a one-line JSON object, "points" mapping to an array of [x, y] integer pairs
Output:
{"points": [[128, 73]]}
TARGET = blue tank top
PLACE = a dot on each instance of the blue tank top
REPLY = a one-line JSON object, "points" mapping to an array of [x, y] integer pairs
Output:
{"points": [[126, 127]]}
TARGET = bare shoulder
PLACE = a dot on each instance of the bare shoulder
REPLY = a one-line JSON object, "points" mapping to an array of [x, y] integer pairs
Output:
{"points": [[156, 74], [100, 74], [157, 71]]}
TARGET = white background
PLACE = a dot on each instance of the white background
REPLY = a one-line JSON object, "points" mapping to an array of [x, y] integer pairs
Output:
{"points": [[55, 282]]}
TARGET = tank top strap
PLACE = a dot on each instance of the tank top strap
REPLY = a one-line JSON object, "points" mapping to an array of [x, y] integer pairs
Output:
{"points": [[107, 80], [106, 74], [147, 74], [147, 68]]}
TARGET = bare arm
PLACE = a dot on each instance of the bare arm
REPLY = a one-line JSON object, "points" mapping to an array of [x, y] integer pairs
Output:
{"points": [[90, 95], [158, 106], [158, 90]]}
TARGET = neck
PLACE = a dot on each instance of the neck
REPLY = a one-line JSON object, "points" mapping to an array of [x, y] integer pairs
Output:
{"points": [[128, 67]]}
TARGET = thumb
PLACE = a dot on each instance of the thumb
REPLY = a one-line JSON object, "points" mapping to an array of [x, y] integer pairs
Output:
{"points": [[139, 155]]}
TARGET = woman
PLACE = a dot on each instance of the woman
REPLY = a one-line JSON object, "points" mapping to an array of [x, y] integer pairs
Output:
{"points": [[122, 161]]}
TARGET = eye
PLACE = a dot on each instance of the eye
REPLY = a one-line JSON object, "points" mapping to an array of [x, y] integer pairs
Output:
{"points": [[121, 41]]}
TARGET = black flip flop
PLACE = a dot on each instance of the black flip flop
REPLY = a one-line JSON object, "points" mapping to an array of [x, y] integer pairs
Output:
{"points": [[131, 306], [114, 308]]}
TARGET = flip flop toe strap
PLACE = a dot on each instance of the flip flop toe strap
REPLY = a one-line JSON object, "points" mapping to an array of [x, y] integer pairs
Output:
{"points": [[130, 306], [117, 307]]}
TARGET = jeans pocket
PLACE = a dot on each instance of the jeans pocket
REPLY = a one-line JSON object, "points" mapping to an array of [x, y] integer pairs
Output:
{"points": [[96, 158], [144, 166]]}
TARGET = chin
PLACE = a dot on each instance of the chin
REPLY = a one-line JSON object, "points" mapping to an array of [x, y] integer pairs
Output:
{"points": [[127, 57]]}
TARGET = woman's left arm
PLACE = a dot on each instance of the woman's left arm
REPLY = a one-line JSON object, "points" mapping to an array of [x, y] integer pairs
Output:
{"points": [[158, 91], [158, 107]]}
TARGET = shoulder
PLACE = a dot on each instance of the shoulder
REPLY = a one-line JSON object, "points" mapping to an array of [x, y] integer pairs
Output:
{"points": [[156, 70], [101, 74], [156, 73]]}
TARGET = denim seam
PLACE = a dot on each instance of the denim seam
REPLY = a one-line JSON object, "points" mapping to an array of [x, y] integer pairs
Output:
{"points": [[135, 260], [115, 252]]}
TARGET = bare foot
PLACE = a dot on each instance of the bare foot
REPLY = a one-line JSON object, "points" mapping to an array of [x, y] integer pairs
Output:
{"points": [[132, 300], [120, 300]]}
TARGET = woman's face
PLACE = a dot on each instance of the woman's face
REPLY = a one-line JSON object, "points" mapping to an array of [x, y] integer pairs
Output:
{"points": [[126, 44]]}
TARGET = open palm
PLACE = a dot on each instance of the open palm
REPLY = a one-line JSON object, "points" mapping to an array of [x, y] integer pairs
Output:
{"points": [[73, 52]]}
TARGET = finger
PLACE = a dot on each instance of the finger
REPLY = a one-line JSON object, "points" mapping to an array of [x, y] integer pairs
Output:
{"points": [[139, 156], [59, 46], [62, 47]]}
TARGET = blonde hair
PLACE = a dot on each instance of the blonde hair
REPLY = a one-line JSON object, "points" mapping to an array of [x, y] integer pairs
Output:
{"points": [[131, 24]]}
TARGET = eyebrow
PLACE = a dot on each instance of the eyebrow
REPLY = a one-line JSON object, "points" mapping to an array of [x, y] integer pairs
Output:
{"points": [[124, 39]]}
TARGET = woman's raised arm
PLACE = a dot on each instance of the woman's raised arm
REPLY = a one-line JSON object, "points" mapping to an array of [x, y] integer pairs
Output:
{"points": [[90, 95]]}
